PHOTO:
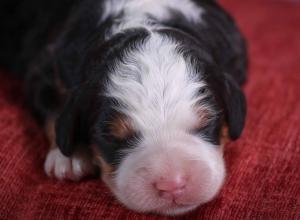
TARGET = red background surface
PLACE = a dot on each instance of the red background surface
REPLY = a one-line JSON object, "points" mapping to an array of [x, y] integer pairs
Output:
{"points": [[263, 179]]}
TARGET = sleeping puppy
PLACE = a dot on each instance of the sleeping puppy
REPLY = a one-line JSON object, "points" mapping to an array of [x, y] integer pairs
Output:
{"points": [[147, 90]]}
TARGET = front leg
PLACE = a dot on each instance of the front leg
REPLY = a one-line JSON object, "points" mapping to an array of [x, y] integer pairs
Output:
{"points": [[46, 95], [59, 166]]}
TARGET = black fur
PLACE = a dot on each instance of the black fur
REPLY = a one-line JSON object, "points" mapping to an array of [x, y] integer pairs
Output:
{"points": [[86, 106], [59, 48]]}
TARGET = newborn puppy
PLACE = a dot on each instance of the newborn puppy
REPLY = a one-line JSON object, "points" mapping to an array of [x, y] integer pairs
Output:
{"points": [[148, 90]]}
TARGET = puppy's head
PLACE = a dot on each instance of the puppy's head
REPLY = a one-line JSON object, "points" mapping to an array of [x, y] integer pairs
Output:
{"points": [[157, 125]]}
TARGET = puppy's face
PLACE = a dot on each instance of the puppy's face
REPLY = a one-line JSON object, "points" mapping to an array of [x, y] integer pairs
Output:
{"points": [[158, 128], [167, 170], [158, 142]]}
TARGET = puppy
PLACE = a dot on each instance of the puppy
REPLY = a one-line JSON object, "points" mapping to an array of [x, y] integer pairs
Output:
{"points": [[147, 90]]}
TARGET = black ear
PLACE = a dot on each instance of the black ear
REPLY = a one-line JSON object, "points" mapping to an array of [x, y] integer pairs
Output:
{"points": [[73, 124], [66, 125], [230, 97], [235, 106]]}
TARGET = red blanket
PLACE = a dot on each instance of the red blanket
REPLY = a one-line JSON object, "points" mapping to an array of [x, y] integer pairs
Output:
{"points": [[263, 166]]}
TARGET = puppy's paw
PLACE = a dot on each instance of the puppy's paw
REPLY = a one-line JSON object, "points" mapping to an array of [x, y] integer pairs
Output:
{"points": [[68, 168]]}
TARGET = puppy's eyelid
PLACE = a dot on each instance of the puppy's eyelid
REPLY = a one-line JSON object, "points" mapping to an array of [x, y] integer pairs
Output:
{"points": [[203, 90]]}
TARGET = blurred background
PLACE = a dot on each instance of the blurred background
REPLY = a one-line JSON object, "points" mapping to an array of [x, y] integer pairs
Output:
{"points": [[263, 166]]}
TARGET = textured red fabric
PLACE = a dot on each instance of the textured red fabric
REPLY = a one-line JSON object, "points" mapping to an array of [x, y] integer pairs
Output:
{"points": [[263, 179]]}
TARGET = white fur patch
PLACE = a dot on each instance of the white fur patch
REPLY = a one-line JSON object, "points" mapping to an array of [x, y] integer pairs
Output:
{"points": [[157, 87], [159, 93], [135, 13], [68, 168], [168, 156]]}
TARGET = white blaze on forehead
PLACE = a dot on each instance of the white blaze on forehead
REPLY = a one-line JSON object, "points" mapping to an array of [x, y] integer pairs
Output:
{"points": [[158, 91], [135, 13], [156, 87]]}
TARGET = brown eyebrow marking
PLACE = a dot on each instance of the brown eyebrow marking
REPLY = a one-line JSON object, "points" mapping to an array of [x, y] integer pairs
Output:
{"points": [[204, 116], [120, 127]]}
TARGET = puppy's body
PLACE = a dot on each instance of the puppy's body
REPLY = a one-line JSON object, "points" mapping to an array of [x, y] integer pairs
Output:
{"points": [[145, 87]]}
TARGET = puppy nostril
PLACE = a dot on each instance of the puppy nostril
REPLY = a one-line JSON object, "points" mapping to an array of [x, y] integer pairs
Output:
{"points": [[165, 194]]}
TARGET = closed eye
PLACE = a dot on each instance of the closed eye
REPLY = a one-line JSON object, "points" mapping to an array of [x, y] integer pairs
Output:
{"points": [[210, 132]]}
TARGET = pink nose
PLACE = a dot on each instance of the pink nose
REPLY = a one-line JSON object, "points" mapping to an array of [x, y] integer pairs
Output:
{"points": [[170, 188]]}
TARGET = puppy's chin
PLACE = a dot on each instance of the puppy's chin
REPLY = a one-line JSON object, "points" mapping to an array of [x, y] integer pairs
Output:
{"points": [[169, 176]]}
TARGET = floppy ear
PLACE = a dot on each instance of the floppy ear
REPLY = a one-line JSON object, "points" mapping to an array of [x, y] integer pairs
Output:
{"points": [[230, 96], [235, 106], [67, 123], [72, 126]]}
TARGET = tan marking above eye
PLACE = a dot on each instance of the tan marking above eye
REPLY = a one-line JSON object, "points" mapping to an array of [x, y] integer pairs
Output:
{"points": [[120, 127], [204, 115]]}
